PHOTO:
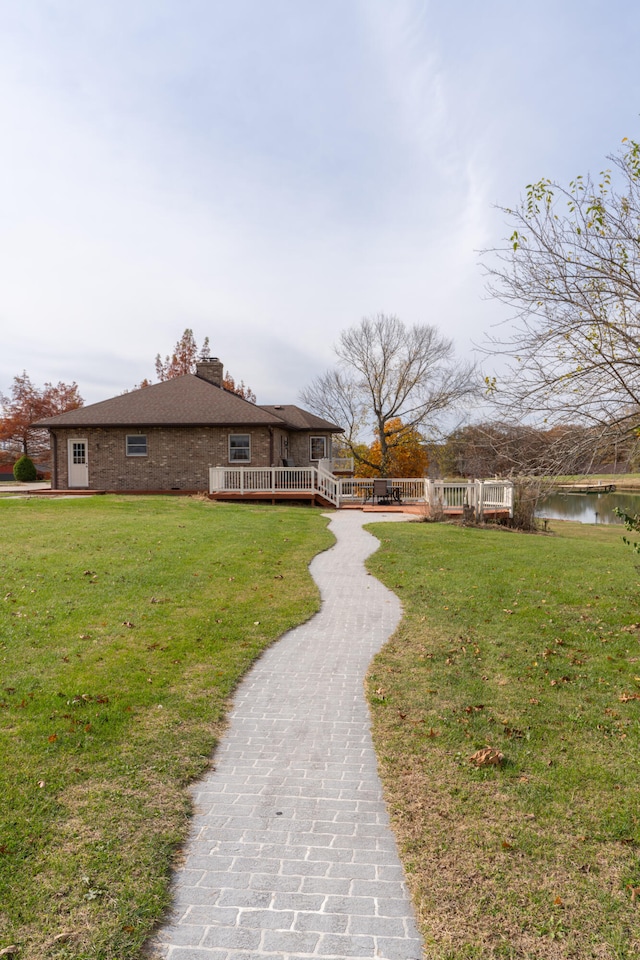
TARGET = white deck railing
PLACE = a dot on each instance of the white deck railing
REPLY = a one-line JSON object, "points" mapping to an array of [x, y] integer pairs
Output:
{"points": [[276, 480], [481, 495], [336, 465]]}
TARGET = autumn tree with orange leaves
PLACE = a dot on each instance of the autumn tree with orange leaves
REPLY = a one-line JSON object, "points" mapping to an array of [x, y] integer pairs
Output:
{"points": [[184, 359], [406, 453], [27, 404]]}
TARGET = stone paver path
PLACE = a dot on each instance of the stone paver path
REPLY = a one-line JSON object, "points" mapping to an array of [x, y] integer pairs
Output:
{"points": [[290, 854]]}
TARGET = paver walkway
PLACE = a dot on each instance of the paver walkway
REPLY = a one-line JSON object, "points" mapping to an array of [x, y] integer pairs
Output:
{"points": [[291, 855]]}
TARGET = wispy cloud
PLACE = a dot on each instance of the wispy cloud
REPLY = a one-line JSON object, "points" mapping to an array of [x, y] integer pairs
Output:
{"points": [[269, 172]]}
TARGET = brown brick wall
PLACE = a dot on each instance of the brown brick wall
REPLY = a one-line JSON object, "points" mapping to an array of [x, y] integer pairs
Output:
{"points": [[177, 457]]}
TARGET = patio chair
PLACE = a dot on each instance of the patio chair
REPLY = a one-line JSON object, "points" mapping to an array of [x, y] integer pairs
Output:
{"points": [[382, 491]]}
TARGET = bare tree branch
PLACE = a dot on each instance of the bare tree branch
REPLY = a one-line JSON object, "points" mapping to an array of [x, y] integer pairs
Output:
{"points": [[571, 273], [388, 371]]}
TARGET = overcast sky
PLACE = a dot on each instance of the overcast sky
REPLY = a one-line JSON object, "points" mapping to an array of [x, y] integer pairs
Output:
{"points": [[267, 172]]}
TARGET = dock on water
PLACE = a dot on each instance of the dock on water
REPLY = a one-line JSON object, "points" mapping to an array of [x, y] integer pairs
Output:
{"points": [[598, 487]]}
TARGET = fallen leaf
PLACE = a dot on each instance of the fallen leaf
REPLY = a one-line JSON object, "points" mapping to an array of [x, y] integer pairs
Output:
{"points": [[506, 845], [558, 901], [9, 951], [63, 937], [486, 757]]}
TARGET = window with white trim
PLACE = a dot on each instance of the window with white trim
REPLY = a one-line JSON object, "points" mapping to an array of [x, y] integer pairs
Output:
{"points": [[240, 448], [317, 448], [136, 445]]}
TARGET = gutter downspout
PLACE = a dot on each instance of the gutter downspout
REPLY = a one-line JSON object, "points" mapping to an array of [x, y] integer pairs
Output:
{"points": [[54, 457]]}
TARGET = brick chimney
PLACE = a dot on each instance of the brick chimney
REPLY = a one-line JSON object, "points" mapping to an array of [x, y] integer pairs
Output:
{"points": [[211, 369]]}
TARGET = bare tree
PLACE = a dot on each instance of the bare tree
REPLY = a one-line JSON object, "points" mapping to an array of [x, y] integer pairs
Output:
{"points": [[571, 273], [387, 371]]}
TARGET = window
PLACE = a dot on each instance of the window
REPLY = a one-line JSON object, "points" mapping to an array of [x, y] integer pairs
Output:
{"points": [[318, 448], [136, 445], [79, 452], [240, 448]]}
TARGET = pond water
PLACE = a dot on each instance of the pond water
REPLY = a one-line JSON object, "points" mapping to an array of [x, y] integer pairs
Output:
{"points": [[588, 507]]}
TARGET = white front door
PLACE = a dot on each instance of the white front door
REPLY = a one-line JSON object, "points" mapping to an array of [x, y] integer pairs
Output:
{"points": [[78, 464]]}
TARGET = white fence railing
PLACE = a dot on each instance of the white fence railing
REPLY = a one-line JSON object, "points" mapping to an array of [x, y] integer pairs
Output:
{"points": [[481, 495], [336, 465]]}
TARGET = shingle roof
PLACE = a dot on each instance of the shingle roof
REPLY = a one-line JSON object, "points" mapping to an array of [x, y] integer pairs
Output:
{"points": [[181, 401], [298, 419], [186, 401]]}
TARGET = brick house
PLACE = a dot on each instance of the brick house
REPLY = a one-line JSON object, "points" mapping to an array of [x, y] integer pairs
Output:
{"points": [[166, 436]]}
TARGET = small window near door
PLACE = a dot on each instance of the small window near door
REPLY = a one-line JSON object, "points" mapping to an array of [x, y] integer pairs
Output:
{"points": [[136, 445], [78, 452], [240, 448], [318, 448]]}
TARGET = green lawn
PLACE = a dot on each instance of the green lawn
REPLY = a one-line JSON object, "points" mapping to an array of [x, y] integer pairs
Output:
{"points": [[125, 624], [527, 644]]}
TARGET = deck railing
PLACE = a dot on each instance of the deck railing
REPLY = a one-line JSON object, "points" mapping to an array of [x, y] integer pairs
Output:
{"points": [[336, 465], [276, 480], [479, 495]]}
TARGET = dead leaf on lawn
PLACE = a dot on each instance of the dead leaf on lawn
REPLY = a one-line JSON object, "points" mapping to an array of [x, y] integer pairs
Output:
{"points": [[487, 757], [625, 697]]}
